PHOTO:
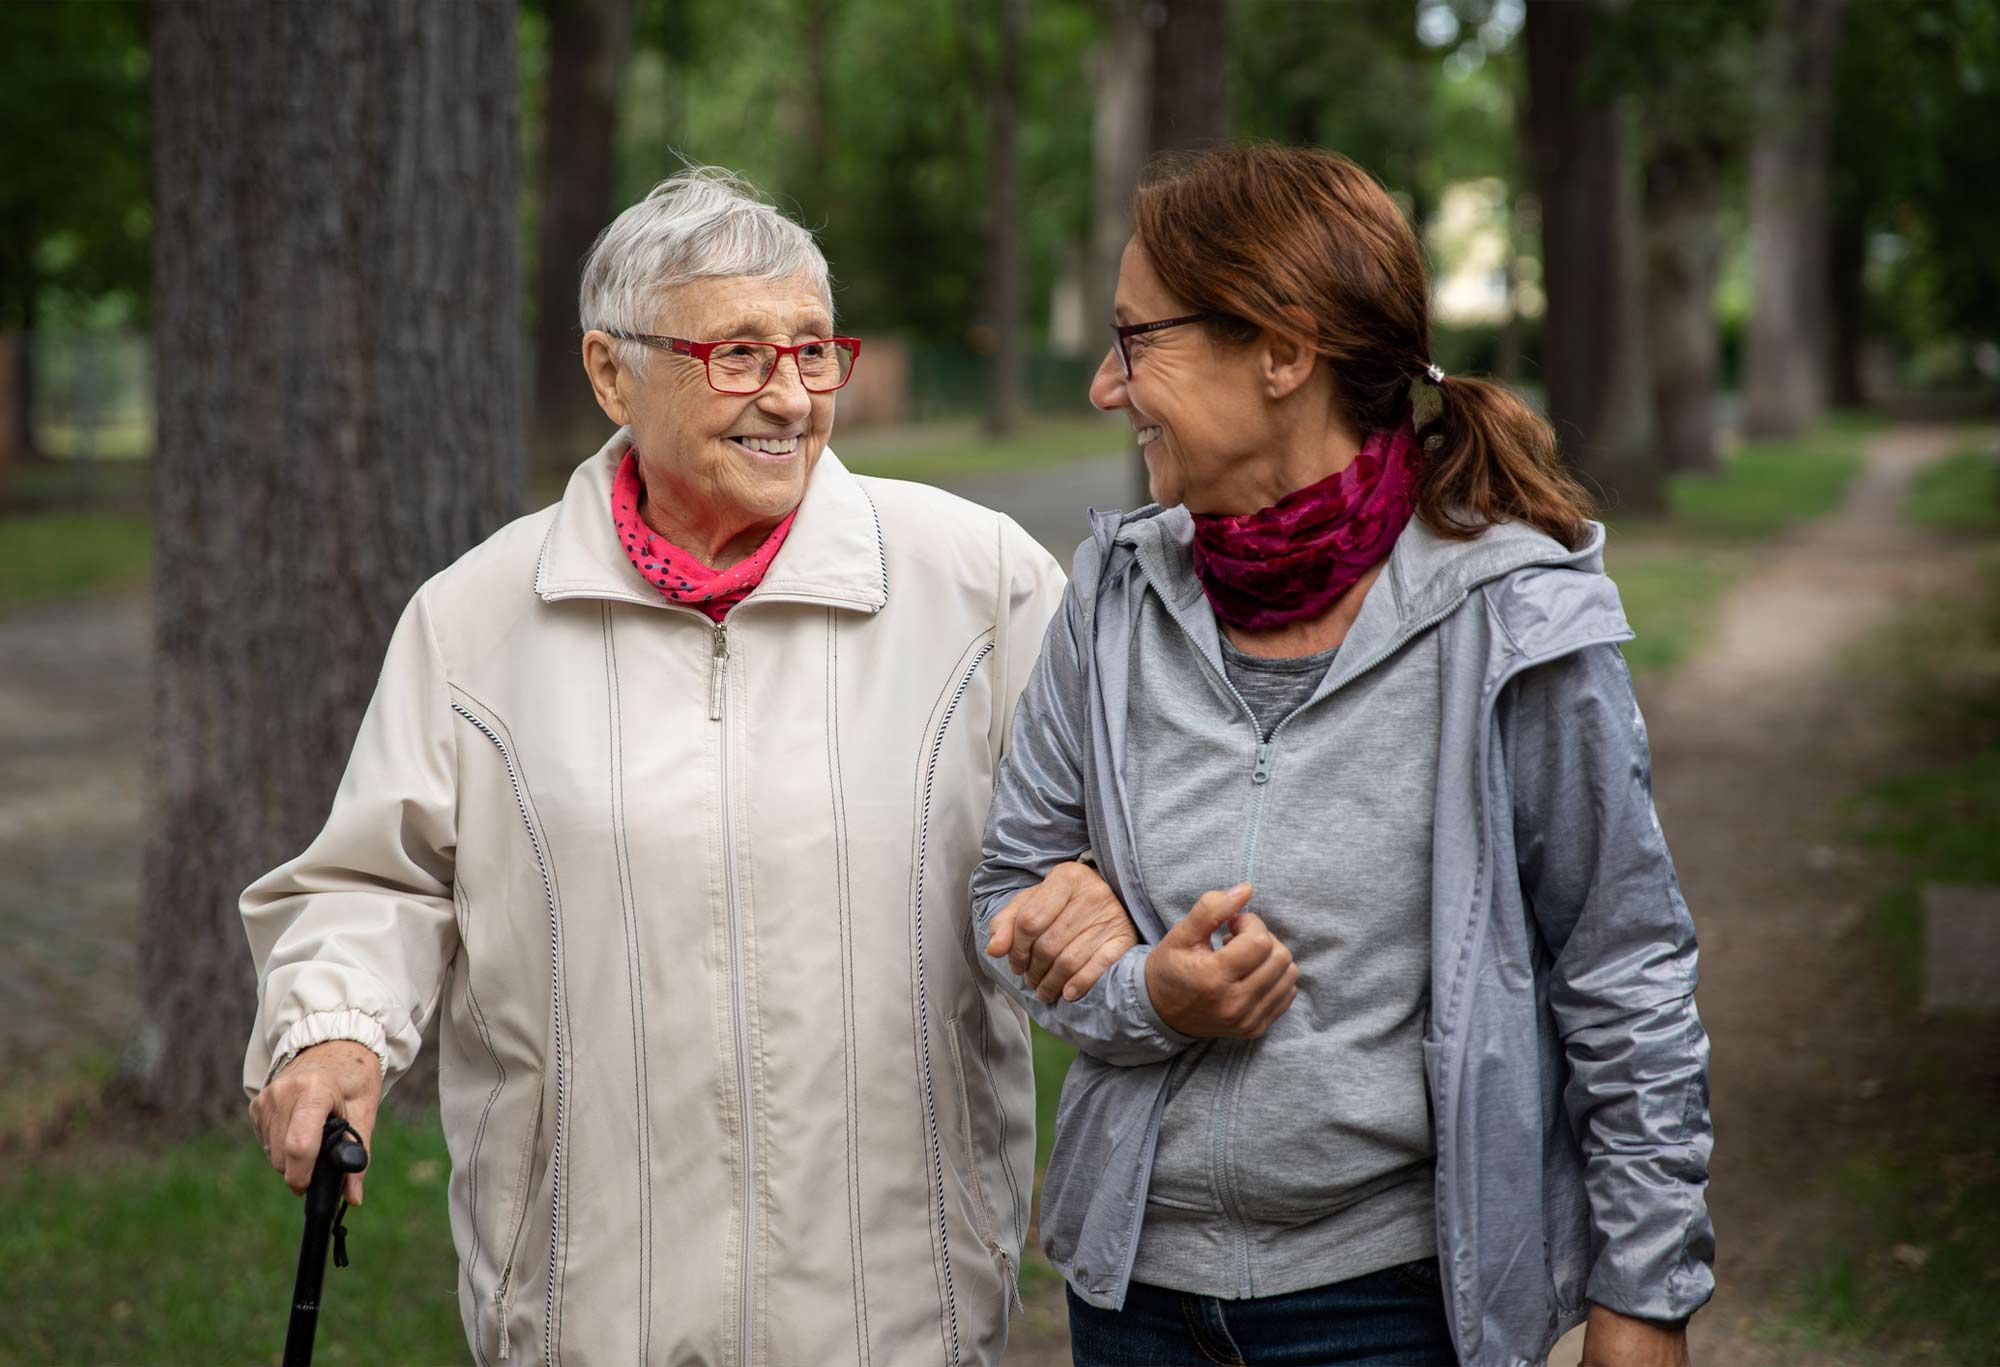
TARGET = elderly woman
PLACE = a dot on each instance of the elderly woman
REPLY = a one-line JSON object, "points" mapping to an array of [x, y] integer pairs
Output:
{"points": [[1344, 719], [666, 803]]}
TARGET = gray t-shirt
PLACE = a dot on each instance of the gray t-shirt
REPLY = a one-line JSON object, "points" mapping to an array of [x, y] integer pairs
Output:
{"points": [[1274, 689]]}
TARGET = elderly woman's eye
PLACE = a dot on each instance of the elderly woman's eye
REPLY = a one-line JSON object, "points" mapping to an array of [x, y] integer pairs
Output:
{"points": [[738, 351]]}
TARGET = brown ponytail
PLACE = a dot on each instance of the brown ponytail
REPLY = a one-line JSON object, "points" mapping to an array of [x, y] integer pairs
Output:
{"points": [[1306, 245]]}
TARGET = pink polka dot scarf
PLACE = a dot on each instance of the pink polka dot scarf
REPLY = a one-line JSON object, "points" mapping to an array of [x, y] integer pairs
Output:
{"points": [[1292, 561], [671, 570]]}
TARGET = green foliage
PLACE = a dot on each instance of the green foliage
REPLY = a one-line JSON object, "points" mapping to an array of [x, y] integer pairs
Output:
{"points": [[75, 206], [188, 1256], [60, 554], [1959, 494], [1917, 97]]}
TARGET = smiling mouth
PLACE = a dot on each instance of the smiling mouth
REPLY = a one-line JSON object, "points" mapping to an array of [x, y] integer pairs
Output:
{"points": [[769, 448], [1146, 436]]}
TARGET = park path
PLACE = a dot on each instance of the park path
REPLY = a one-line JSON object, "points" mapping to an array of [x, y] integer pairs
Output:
{"points": [[1755, 739]]}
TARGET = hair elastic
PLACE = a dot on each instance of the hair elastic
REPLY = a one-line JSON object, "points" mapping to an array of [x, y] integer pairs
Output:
{"points": [[1433, 373]]}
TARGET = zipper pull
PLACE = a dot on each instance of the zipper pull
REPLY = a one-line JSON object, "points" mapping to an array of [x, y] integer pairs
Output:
{"points": [[1013, 1280], [1262, 773], [717, 663]]}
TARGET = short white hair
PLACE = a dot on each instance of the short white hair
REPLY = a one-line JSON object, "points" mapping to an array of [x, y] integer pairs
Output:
{"points": [[699, 224]]}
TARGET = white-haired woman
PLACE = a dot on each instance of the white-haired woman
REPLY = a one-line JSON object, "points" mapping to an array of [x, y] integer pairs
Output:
{"points": [[667, 801]]}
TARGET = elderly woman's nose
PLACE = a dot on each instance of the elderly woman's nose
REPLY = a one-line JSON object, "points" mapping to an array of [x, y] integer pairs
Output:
{"points": [[1107, 387], [786, 392]]}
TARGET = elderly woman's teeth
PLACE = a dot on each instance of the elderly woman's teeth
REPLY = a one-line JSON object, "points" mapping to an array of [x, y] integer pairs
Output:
{"points": [[770, 446], [1148, 435]]}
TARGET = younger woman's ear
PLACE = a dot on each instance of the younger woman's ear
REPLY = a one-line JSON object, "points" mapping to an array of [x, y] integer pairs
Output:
{"points": [[1289, 358]]}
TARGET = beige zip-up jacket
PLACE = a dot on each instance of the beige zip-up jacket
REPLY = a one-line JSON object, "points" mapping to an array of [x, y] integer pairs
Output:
{"points": [[721, 1080]]}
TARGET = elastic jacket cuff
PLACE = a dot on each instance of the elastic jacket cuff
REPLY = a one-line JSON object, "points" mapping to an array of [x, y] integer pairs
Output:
{"points": [[322, 1026]]}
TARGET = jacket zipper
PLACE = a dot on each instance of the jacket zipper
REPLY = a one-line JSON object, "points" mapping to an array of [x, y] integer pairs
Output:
{"points": [[718, 710], [555, 997], [923, 1003]]}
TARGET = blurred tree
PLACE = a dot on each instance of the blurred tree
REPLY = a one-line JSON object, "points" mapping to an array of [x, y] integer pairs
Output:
{"points": [[1594, 333], [1788, 356], [1121, 140], [1190, 91], [74, 215], [999, 73], [1915, 191], [589, 42], [337, 311], [1691, 68]]}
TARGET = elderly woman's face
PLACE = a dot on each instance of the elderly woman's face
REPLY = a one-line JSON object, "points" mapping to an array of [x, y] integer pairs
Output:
{"points": [[1195, 404], [731, 457]]}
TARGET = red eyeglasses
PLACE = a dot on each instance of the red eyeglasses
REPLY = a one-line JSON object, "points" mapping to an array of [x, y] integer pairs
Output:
{"points": [[737, 366]]}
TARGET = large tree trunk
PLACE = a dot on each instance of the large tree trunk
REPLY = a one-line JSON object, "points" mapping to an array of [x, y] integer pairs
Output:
{"points": [[1683, 254], [1003, 218], [13, 410], [1848, 293], [1789, 349], [1190, 92], [1594, 332], [337, 314], [1121, 138], [589, 41]]}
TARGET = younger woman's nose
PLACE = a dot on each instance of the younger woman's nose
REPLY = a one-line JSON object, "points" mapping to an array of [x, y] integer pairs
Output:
{"points": [[1107, 387]]}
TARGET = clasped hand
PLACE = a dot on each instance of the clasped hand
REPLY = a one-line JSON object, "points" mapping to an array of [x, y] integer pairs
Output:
{"points": [[1062, 935]]}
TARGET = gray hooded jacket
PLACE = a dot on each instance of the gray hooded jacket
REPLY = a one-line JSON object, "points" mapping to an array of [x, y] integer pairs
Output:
{"points": [[1566, 1065]]}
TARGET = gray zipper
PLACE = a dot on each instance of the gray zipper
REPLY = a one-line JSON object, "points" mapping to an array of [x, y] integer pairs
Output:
{"points": [[555, 997], [923, 1006], [718, 710]]}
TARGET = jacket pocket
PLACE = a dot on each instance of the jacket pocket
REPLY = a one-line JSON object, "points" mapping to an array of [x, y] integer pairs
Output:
{"points": [[986, 1221], [499, 1308]]}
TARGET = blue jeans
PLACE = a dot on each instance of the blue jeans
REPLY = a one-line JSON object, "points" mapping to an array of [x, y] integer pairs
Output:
{"points": [[1395, 1316]]}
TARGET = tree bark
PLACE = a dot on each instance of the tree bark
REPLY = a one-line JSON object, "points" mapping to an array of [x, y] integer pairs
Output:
{"points": [[1848, 293], [1788, 353], [337, 315], [589, 41], [1121, 138], [1683, 254], [1003, 218], [1594, 331], [1190, 94], [13, 409]]}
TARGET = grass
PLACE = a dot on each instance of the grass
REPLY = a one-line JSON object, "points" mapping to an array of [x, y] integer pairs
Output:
{"points": [[1673, 570], [936, 452], [54, 555], [1960, 494], [189, 1257], [1914, 1270]]}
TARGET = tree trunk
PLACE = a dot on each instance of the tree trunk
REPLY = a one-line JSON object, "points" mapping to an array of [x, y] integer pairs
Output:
{"points": [[1594, 331], [1190, 92], [1121, 137], [1788, 351], [13, 408], [589, 41], [1003, 219], [1683, 254], [337, 315], [1849, 296]]}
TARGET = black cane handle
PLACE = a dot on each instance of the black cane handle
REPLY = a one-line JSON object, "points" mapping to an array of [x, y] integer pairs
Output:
{"points": [[340, 1152]]}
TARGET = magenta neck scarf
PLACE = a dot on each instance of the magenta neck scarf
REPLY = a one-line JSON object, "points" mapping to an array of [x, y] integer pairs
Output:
{"points": [[671, 570], [1292, 561]]}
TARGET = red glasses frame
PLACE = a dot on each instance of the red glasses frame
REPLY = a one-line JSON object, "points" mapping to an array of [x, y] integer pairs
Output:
{"points": [[701, 351]]}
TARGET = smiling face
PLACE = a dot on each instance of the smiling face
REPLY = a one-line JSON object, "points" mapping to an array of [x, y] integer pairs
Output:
{"points": [[1197, 406], [721, 470]]}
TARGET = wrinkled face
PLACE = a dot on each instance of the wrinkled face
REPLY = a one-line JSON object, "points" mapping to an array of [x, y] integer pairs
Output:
{"points": [[1196, 406], [717, 458]]}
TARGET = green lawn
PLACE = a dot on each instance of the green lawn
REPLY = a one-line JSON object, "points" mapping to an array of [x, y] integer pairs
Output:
{"points": [[1961, 493], [53, 555], [1909, 1273], [188, 1257]]}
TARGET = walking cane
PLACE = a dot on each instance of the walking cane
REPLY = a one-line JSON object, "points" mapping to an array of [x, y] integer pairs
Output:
{"points": [[340, 1152]]}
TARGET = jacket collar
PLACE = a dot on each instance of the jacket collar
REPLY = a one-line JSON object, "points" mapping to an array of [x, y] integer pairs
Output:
{"points": [[834, 553]]}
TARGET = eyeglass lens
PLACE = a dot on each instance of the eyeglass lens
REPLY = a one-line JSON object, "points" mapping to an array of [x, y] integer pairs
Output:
{"points": [[745, 367]]}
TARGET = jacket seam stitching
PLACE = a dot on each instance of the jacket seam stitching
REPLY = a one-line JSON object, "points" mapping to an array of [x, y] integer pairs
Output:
{"points": [[843, 904]]}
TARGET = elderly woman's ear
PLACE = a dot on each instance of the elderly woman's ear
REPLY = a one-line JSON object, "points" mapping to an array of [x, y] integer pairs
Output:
{"points": [[600, 362]]}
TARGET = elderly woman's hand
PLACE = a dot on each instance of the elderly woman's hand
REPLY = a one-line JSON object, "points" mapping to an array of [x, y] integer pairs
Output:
{"points": [[339, 1077], [1233, 992], [1063, 933]]}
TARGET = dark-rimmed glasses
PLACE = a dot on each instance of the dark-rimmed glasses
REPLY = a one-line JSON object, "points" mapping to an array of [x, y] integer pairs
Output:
{"points": [[1122, 333], [739, 366]]}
